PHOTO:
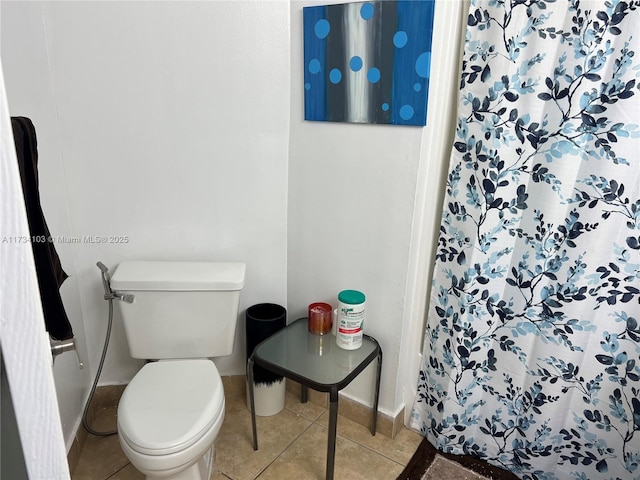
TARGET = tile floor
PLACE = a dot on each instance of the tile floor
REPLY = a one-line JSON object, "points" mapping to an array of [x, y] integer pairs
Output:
{"points": [[292, 445]]}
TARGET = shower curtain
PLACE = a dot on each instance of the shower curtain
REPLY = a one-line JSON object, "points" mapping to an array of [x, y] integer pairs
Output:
{"points": [[531, 357]]}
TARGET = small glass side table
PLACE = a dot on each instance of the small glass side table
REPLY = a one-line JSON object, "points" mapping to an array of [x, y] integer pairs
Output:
{"points": [[316, 362]]}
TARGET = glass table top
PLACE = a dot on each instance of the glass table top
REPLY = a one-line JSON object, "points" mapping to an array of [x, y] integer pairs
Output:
{"points": [[316, 358]]}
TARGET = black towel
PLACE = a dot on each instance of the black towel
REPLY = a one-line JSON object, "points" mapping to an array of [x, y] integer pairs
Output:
{"points": [[48, 267]]}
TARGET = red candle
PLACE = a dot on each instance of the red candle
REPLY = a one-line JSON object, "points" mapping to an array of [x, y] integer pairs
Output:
{"points": [[320, 318]]}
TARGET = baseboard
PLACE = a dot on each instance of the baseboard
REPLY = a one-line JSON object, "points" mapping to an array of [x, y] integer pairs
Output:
{"points": [[235, 386]]}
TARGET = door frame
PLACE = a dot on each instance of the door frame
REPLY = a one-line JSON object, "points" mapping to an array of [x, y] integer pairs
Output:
{"points": [[24, 341], [437, 140]]}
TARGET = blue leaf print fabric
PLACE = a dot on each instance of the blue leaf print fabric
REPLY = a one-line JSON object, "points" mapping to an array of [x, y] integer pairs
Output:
{"points": [[532, 346]]}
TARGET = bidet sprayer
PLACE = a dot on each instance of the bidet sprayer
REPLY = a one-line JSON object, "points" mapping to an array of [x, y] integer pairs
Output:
{"points": [[108, 293]]}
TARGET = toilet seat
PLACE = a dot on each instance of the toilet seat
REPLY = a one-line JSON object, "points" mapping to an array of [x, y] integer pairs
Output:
{"points": [[170, 405]]}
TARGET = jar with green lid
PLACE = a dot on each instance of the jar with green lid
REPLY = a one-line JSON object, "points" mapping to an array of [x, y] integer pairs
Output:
{"points": [[350, 320]]}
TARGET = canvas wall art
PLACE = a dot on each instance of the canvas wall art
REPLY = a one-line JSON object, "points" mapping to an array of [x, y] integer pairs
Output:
{"points": [[368, 62]]}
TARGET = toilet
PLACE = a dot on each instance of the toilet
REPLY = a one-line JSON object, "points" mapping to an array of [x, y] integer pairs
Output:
{"points": [[177, 315]]}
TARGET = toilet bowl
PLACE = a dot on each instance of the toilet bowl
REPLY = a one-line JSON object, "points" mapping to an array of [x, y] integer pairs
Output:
{"points": [[169, 417]]}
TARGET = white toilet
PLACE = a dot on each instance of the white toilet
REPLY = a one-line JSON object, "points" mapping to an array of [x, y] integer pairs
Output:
{"points": [[181, 314]]}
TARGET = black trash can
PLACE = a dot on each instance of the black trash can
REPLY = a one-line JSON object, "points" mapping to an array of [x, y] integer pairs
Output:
{"points": [[262, 321]]}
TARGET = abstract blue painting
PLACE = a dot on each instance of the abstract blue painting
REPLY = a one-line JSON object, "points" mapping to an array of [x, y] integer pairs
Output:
{"points": [[368, 62]]}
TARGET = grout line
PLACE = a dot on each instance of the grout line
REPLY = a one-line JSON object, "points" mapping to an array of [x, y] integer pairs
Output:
{"points": [[118, 471], [311, 423], [362, 445]]}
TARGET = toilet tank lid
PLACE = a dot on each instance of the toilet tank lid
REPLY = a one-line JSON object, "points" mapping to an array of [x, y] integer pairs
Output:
{"points": [[178, 276]]}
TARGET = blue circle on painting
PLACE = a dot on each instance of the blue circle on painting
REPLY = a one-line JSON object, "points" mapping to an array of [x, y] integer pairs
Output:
{"points": [[314, 66], [366, 11], [423, 64], [373, 75], [335, 76], [385, 106], [355, 63], [400, 39], [417, 87], [406, 112], [322, 28], [307, 86]]}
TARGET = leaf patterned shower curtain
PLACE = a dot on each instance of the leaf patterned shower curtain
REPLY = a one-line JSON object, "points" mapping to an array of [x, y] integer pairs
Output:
{"points": [[532, 346]]}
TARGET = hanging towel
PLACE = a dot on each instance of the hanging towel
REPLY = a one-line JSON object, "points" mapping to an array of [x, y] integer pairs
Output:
{"points": [[48, 266]]}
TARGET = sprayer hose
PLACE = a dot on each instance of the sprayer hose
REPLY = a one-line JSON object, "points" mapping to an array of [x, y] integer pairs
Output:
{"points": [[85, 422]]}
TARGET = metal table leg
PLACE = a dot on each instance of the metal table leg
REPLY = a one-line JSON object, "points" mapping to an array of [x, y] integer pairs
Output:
{"points": [[252, 402], [304, 394], [333, 424], [376, 394]]}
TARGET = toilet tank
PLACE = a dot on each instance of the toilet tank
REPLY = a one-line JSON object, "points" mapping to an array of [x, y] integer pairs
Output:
{"points": [[179, 309]]}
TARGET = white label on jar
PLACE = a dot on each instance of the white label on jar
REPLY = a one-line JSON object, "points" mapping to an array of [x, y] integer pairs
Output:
{"points": [[350, 322]]}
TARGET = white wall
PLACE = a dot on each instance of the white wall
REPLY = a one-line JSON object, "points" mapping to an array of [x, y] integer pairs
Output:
{"points": [[176, 120], [351, 195], [167, 122], [30, 93], [448, 33]]}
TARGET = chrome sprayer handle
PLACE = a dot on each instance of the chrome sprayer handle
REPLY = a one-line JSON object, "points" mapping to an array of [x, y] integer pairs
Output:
{"points": [[108, 293], [124, 297]]}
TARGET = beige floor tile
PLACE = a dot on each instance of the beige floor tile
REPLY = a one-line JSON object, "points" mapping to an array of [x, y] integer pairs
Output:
{"points": [[106, 419], [216, 475], [291, 431], [308, 410], [443, 469], [128, 473], [100, 458], [306, 459], [108, 395], [235, 456], [400, 449]]}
